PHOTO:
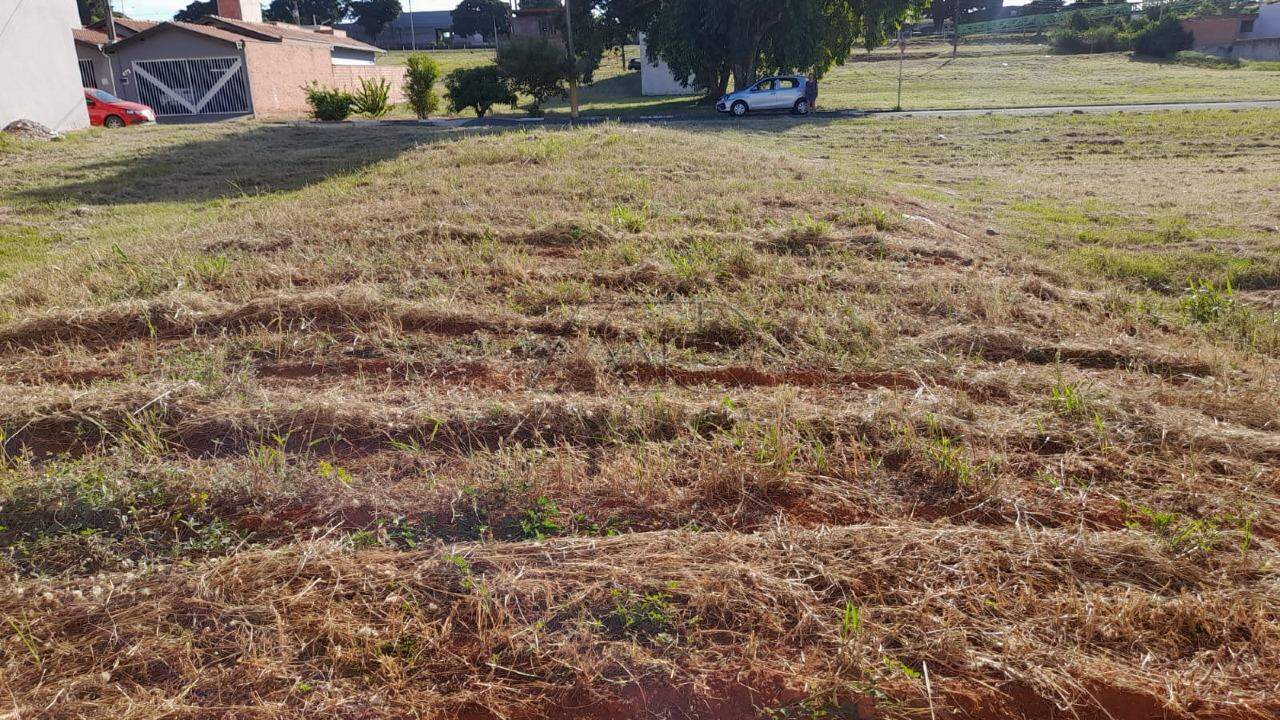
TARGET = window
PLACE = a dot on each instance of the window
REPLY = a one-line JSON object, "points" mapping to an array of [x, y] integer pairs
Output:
{"points": [[763, 86], [105, 96], [1246, 26], [789, 83]]}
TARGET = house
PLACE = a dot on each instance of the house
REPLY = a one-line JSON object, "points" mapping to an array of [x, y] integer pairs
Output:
{"points": [[96, 70], [233, 64], [39, 80], [656, 77], [412, 30], [537, 22], [1252, 36]]}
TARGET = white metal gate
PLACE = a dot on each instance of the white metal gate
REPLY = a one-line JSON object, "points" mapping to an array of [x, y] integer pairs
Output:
{"points": [[87, 76], [213, 86]]}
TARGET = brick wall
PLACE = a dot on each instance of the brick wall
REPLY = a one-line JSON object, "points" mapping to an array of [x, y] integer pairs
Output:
{"points": [[348, 78], [278, 72]]}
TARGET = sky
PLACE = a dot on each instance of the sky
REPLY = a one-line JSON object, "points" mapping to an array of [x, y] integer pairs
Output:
{"points": [[164, 9]]}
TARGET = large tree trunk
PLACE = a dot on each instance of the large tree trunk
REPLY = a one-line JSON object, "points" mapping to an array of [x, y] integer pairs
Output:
{"points": [[744, 44]]}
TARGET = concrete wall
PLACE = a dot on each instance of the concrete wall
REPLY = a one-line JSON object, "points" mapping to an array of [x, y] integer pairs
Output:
{"points": [[279, 72], [39, 76], [1212, 31], [1262, 49], [348, 78], [167, 44], [656, 78]]}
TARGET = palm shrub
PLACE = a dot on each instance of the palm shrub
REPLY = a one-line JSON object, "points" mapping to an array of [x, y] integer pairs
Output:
{"points": [[373, 98], [478, 88], [420, 85], [328, 104]]}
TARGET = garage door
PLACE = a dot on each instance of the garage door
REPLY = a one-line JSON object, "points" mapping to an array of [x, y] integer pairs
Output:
{"points": [[203, 86]]}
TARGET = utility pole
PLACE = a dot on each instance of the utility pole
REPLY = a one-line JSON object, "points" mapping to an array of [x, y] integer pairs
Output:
{"points": [[413, 33], [573, 62], [902, 56], [955, 31], [111, 21]]}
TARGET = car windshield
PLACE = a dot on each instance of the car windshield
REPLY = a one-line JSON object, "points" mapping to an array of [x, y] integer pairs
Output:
{"points": [[104, 96]]}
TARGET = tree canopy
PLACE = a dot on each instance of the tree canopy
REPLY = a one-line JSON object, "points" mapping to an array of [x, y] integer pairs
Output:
{"points": [[320, 12], [481, 16], [708, 42], [374, 15], [196, 10], [944, 11]]}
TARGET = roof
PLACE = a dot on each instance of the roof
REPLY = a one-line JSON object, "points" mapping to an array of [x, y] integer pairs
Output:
{"points": [[132, 26], [90, 37], [210, 32], [427, 18], [280, 32]]}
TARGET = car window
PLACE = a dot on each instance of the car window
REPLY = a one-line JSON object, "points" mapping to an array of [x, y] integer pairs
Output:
{"points": [[105, 96], [789, 83], [763, 86]]}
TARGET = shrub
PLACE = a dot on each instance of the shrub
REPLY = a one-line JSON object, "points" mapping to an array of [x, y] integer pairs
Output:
{"points": [[420, 85], [329, 104], [536, 67], [1161, 38], [373, 98], [1205, 60], [478, 88]]}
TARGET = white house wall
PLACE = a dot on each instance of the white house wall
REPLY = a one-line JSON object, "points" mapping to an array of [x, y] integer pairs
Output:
{"points": [[656, 78], [39, 73]]}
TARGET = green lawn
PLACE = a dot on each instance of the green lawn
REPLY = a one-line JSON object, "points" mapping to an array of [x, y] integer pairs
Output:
{"points": [[984, 74]]}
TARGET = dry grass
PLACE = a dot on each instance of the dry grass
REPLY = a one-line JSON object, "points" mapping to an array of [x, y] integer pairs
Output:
{"points": [[618, 422]]}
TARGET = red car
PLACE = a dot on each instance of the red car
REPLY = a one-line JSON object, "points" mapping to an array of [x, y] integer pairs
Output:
{"points": [[108, 110]]}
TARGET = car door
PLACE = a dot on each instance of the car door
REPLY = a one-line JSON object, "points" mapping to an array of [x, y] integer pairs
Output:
{"points": [[96, 113], [788, 92], [761, 96]]}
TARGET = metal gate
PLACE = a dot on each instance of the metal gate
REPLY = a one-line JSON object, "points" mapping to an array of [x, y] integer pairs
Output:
{"points": [[204, 86], [87, 78]]}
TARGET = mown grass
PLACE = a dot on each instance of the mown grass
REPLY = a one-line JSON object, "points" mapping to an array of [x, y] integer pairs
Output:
{"points": [[988, 73], [513, 424]]}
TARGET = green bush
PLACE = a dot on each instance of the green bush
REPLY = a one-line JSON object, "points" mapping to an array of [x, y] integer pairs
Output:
{"points": [[1162, 38], [537, 67], [1205, 60], [329, 104], [420, 85], [478, 88], [373, 98]]}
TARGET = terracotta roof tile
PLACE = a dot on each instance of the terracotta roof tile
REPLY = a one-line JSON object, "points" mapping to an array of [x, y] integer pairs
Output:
{"points": [[286, 32], [90, 37]]}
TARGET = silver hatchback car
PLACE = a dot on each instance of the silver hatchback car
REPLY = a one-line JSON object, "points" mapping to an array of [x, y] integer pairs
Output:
{"points": [[781, 92]]}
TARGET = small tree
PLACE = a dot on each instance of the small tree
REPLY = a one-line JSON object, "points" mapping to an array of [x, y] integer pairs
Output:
{"points": [[478, 88], [196, 10], [537, 67], [1162, 38], [420, 85]]}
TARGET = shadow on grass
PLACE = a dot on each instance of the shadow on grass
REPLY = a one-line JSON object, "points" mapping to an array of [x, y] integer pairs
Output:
{"points": [[258, 160]]}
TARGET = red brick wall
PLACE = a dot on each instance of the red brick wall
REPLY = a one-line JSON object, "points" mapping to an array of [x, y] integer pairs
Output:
{"points": [[278, 72]]}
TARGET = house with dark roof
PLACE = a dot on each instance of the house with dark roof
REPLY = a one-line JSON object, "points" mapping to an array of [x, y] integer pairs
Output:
{"points": [[229, 64], [410, 31]]}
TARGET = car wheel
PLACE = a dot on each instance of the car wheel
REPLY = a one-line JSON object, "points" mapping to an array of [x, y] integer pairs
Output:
{"points": [[802, 107], [113, 121], [739, 108]]}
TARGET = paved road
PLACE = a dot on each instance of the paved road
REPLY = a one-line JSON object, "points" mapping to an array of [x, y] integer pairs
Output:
{"points": [[851, 113]]}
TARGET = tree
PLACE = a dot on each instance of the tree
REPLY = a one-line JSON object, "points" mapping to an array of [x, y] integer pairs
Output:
{"points": [[420, 85], [91, 11], [537, 67], [481, 16], [478, 88], [707, 42], [196, 10], [317, 12], [1043, 7], [374, 15]]}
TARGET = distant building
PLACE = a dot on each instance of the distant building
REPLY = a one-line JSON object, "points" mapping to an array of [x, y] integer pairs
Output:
{"points": [[407, 32], [537, 22], [1252, 36], [39, 80]]}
